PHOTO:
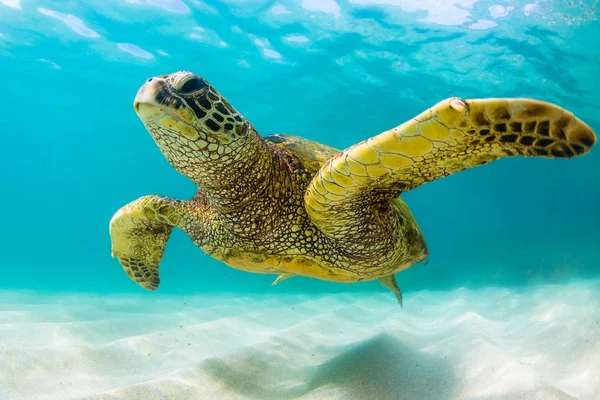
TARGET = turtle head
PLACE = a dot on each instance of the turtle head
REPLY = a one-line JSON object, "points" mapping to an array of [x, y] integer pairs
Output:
{"points": [[190, 121]]}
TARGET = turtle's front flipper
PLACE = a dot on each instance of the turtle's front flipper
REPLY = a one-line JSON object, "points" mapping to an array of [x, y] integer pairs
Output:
{"points": [[451, 136], [390, 283], [139, 232]]}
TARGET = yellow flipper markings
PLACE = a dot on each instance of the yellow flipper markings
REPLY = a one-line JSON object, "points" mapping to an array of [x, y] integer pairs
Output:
{"points": [[451, 136], [139, 232]]}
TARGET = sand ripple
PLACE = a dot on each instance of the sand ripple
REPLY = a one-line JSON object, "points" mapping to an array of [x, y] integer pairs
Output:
{"points": [[543, 343]]}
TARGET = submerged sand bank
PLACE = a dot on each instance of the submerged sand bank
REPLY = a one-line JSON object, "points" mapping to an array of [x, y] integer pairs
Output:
{"points": [[543, 343]]}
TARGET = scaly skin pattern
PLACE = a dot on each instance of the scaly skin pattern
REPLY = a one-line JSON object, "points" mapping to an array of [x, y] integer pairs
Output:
{"points": [[139, 233], [452, 136], [289, 206]]}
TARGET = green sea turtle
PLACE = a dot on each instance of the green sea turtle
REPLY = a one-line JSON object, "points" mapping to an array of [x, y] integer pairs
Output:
{"points": [[289, 206]]}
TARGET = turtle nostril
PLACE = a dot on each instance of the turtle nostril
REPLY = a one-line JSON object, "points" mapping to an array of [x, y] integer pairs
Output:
{"points": [[149, 80]]}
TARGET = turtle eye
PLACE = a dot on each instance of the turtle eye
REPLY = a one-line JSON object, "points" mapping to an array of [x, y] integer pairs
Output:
{"points": [[192, 85]]}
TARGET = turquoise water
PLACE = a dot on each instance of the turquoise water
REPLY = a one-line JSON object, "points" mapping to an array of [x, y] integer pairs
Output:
{"points": [[333, 71], [508, 306]]}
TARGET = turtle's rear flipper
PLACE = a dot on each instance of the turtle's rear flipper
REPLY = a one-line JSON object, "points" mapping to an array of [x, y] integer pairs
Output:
{"points": [[282, 277], [139, 232], [390, 283]]}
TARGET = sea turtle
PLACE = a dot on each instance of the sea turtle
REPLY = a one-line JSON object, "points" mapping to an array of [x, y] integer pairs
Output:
{"points": [[285, 205]]}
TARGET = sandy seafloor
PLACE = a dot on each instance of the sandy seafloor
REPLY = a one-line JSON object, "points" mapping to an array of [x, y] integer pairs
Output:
{"points": [[490, 343]]}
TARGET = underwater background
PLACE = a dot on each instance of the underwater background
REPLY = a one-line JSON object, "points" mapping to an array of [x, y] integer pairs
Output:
{"points": [[335, 71], [75, 151]]}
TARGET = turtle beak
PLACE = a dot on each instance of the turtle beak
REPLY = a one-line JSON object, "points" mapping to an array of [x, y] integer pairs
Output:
{"points": [[145, 104]]}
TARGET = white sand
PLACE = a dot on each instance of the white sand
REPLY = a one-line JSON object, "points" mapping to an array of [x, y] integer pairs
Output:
{"points": [[463, 344]]}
